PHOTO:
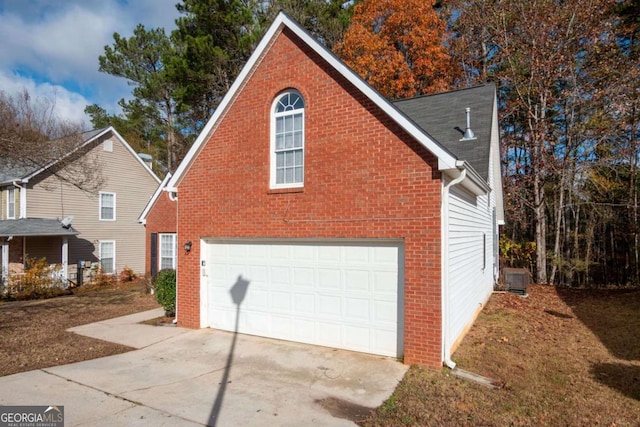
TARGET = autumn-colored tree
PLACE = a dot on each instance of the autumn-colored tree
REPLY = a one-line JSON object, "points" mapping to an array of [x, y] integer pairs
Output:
{"points": [[399, 47]]}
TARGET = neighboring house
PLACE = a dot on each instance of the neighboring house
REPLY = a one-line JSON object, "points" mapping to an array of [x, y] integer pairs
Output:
{"points": [[159, 218], [320, 212], [45, 216]]}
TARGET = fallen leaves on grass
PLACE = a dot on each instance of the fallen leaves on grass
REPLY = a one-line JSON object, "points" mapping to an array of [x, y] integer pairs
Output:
{"points": [[33, 333], [564, 357]]}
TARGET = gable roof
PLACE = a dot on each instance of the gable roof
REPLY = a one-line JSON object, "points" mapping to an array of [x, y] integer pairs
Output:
{"points": [[143, 216], [14, 171], [447, 161], [444, 116]]}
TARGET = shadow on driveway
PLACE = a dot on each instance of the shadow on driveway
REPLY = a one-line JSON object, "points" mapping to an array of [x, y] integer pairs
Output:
{"points": [[238, 292]]}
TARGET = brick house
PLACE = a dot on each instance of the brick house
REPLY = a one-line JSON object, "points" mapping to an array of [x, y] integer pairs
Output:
{"points": [[320, 212], [159, 218]]}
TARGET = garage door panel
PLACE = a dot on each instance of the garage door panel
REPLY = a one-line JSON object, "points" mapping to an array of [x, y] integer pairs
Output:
{"points": [[386, 256], [303, 278], [281, 302], [356, 280], [357, 309], [329, 306], [383, 282], [279, 276], [360, 337], [327, 254], [385, 312], [357, 255], [257, 299], [328, 278], [330, 334], [304, 304], [342, 295]]}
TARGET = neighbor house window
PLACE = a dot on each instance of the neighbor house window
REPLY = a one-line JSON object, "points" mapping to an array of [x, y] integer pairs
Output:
{"points": [[108, 256], [107, 206], [11, 203], [287, 143], [168, 251]]}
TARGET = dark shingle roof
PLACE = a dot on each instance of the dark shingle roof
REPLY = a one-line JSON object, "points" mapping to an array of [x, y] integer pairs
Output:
{"points": [[35, 227], [443, 117], [16, 169]]}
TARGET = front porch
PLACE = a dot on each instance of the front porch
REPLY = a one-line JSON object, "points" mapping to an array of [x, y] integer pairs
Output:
{"points": [[35, 238]]}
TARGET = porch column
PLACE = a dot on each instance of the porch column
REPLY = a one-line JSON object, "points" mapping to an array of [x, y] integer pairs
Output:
{"points": [[5, 260], [65, 258]]}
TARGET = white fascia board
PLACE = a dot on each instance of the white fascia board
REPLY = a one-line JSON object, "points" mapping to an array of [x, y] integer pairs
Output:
{"points": [[152, 201], [495, 158], [472, 181], [224, 104], [446, 160]]}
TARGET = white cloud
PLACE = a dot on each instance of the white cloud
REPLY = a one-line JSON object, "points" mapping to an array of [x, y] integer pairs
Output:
{"points": [[52, 47], [69, 106]]}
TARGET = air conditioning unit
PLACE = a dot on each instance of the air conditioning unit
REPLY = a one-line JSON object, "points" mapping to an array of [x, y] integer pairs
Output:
{"points": [[517, 280]]}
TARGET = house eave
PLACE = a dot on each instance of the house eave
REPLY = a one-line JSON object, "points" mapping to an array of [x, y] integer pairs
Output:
{"points": [[472, 181]]}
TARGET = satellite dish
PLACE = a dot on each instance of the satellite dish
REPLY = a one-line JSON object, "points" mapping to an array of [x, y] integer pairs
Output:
{"points": [[66, 222]]}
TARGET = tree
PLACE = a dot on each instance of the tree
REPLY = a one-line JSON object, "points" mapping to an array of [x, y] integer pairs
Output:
{"points": [[214, 40], [540, 54], [326, 20], [142, 59], [399, 47], [33, 137]]}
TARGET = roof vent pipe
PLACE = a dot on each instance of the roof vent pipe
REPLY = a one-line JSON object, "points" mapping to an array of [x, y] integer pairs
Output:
{"points": [[468, 133]]}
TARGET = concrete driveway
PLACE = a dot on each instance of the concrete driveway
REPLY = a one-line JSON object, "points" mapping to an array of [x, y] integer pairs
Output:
{"points": [[207, 377]]}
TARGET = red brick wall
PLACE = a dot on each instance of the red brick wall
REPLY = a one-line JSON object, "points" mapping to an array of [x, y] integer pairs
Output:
{"points": [[364, 178], [161, 219]]}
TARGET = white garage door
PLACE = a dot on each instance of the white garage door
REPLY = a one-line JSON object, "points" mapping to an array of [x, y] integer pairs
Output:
{"points": [[343, 295]]}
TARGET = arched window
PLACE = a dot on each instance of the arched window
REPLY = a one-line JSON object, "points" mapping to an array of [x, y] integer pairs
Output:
{"points": [[287, 142]]}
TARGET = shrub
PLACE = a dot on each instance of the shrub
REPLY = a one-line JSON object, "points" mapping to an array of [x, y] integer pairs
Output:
{"points": [[100, 278], [40, 280], [164, 284], [127, 274]]}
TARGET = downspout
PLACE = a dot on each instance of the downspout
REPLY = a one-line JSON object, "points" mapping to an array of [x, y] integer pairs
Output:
{"points": [[175, 199], [446, 353]]}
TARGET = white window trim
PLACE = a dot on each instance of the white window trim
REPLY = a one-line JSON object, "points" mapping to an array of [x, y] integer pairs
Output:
{"points": [[100, 206], [175, 249], [272, 146], [11, 191], [114, 253]]}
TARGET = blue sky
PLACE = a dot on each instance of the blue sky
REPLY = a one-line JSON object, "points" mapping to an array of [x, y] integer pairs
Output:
{"points": [[51, 48]]}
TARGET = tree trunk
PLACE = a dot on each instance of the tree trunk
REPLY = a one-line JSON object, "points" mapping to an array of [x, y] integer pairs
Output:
{"points": [[558, 229], [541, 230]]}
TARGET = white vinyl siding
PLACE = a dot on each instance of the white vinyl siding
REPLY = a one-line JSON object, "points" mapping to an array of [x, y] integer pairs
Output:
{"points": [[108, 256], [124, 175], [167, 251], [107, 206], [470, 244]]}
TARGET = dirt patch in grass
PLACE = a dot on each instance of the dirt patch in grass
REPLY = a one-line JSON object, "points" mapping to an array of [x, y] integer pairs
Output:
{"points": [[562, 357], [33, 333]]}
